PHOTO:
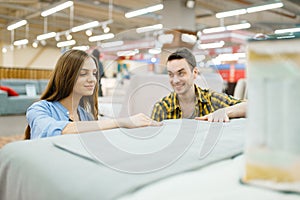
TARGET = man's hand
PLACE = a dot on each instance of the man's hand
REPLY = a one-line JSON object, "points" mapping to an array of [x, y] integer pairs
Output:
{"points": [[217, 116], [223, 114]]}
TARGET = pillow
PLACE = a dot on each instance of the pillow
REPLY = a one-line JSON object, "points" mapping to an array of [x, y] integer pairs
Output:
{"points": [[10, 91]]}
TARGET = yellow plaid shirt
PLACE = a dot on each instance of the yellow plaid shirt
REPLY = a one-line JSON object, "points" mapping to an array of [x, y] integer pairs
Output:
{"points": [[206, 102]]}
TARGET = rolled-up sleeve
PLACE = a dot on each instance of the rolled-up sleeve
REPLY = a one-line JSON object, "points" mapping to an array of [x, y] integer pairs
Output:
{"points": [[220, 100], [42, 123], [158, 113]]}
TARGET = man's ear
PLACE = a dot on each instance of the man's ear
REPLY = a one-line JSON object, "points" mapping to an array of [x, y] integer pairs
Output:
{"points": [[195, 72]]}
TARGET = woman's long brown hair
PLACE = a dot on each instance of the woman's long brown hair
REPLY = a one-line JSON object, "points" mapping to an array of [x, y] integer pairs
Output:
{"points": [[63, 79]]}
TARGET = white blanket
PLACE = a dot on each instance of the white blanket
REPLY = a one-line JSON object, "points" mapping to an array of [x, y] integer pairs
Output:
{"points": [[110, 164]]}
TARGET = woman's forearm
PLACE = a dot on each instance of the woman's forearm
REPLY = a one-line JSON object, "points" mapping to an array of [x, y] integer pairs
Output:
{"points": [[138, 120], [87, 126]]}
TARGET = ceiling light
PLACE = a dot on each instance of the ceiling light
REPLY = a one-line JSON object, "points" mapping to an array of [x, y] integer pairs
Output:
{"points": [[214, 30], [238, 26], [189, 38], [57, 37], [211, 45], [190, 3], [264, 7], [166, 38], [149, 28], [57, 8], [43, 42], [155, 51], [252, 9], [231, 13], [46, 36], [85, 26], [69, 36], [35, 44], [89, 32], [20, 42], [17, 25], [226, 57], [227, 28], [106, 29], [82, 48], [289, 30], [112, 44], [101, 37], [66, 43], [4, 50], [240, 55], [144, 11]]}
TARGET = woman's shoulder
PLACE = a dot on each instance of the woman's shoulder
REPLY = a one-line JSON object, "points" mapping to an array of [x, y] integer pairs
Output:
{"points": [[44, 104]]}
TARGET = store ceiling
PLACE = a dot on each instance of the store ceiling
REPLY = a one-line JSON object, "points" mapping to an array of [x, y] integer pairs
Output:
{"points": [[90, 10]]}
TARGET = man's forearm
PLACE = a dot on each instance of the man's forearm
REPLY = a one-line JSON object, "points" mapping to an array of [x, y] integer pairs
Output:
{"points": [[238, 110]]}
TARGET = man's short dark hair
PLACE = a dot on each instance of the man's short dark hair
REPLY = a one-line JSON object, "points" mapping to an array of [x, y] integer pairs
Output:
{"points": [[184, 53]]}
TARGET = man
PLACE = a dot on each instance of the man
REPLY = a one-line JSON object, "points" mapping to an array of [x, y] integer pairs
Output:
{"points": [[96, 54], [190, 101]]}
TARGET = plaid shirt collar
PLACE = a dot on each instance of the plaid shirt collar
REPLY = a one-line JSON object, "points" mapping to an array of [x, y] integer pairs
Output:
{"points": [[200, 97]]}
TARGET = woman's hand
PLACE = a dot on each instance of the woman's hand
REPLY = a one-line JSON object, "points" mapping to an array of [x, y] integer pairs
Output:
{"points": [[138, 120], [217, 116]]}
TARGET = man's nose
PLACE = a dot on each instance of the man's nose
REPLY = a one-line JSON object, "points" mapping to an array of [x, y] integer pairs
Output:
{"points": [[175, 79]]}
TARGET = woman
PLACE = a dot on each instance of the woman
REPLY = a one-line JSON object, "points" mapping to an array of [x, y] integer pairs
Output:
{"points": [[70, 101]]}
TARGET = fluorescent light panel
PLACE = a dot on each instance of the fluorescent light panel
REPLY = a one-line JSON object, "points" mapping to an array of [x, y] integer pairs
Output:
{"points": [[20, 42], [189, 38], [166, 38], [46, 36], [155, 51], [214, 30], [238, 26], [228, 28], [112, 44], [66, 43], [101, 37], [57, 8], [144, 11], [264, 7], [211, 45], [230, 56], [249, 10], [289, 30], [149, 28], [17, 25], [190, 3], [82, 48], [231, 13], [85, 26]]}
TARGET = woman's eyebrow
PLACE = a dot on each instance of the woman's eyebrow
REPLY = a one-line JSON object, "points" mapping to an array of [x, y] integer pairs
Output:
{"points": [[85, 69]]}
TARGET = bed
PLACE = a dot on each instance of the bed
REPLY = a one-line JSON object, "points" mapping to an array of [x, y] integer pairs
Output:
{"points": [[183, 159]]}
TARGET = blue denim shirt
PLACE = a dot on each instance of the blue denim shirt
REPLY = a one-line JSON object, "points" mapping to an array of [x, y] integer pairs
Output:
{"points": [[48, 119]]}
